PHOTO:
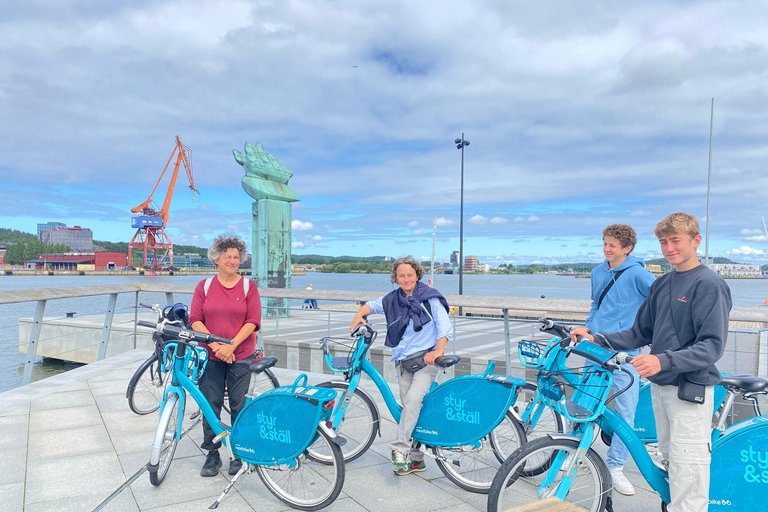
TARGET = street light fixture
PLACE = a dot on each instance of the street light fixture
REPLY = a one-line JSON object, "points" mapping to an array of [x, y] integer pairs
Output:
{"points": [[461, 144]]}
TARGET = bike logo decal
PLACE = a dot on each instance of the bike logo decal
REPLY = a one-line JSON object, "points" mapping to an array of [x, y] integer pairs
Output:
{"points": [[456, 411], [268, 429], [682, 299], [754, 462], [421, 430]]}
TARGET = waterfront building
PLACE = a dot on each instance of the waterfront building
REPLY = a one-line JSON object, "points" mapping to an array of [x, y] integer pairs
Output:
{"points": [[78, 239], [2, 251], [79, 261], [47, 227], [470, 264], [736, 269], [455, 258]]}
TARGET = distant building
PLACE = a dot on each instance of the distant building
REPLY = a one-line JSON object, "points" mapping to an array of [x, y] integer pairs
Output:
{"points": [[78, 239], [79, 261], [2, 251], [455, 258], [485, 267], [47, 227], [654, 269], [470, 264], [736, 269], [191, 260]]}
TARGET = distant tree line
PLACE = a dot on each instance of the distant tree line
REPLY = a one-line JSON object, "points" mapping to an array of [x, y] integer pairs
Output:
{"points": [[19, 252], [359, 267]]}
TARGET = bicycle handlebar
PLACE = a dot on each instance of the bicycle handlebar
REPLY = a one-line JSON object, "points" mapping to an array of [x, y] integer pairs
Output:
{"points": [[186, 334]]}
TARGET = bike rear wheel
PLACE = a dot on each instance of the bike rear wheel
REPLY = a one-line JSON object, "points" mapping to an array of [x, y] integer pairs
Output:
{"points": [[166, 439], [473, 467], [308, 485], [358, 426], [589, 489], [147, 387]]}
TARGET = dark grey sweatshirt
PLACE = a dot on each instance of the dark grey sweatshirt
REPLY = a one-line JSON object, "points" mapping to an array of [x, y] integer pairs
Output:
{"points": [[685, 320]]}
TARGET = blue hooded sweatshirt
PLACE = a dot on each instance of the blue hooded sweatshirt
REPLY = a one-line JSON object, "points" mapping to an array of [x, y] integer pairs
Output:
{"points": [[619, 307]]}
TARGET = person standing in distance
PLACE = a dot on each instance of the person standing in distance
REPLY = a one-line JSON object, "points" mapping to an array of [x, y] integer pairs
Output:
{"points": [[685, 320], [230, 307], [417, 322], [619, 286]]}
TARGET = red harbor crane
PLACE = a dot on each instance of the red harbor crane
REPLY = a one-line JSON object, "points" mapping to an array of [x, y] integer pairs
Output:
{"points": [[150, 223]]}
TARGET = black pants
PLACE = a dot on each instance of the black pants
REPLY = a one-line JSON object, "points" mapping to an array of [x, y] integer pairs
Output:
{"points": [[212, 385]]}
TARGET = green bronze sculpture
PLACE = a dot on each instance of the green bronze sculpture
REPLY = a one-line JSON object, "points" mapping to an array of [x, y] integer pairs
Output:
{"points": [[266, 180]]}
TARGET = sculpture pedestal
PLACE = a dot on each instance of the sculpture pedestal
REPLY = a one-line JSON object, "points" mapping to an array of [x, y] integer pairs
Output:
{"points": [[271, 252]]}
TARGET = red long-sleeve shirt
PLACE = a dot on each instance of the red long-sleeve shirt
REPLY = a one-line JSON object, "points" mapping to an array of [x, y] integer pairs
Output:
{"points": [[224, 311]]}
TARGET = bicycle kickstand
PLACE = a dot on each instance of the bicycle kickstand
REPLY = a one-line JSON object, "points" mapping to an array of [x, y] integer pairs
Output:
{"points": [[246, 468]]}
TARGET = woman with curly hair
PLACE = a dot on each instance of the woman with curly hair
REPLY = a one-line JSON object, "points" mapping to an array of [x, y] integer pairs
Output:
{"points": [[229, 306], [418, 329]]}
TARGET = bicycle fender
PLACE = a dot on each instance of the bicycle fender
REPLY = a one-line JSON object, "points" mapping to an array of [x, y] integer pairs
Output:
{"points": [[561, 436]]}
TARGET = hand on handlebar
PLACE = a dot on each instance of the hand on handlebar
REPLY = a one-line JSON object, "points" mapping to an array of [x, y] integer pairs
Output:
{"points": [[430, 357], [583, 332], [356, 323], [646, 364]]}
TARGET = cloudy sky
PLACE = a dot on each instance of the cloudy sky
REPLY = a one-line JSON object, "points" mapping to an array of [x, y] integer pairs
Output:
{"points": [[579, 114]]}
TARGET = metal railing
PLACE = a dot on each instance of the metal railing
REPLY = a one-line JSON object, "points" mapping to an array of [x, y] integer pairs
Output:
{"points": [[535, 307]]}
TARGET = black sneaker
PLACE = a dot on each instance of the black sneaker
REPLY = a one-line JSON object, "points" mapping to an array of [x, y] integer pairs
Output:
{"points": [[212, 464], [234, 466]]}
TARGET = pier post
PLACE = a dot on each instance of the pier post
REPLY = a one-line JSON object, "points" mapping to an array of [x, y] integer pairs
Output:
{"points": [[105, 332], [169, 298], [34, 337], [507, 343]]}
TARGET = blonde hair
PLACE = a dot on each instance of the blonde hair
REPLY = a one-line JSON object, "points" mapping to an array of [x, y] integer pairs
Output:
{"points": [[676, 223], [407, 260]]}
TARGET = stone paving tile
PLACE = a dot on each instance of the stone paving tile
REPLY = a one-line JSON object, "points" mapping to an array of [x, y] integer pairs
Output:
{"points": [[64, 399], [232, 503], [124, 502], [108, 387], [55, 444], [13, 407], [112, 403], [52, 479], [126, 422], [12, 496], [70, 417], [122, 374], [14, 465]]}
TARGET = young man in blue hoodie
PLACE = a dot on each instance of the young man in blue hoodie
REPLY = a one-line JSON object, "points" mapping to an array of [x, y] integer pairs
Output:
{"points": [[619, 286]]}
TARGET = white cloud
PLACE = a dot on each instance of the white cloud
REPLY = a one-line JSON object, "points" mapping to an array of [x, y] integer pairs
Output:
{"points": [[443, 222], [315, 238], [297, 245], [759, 238], [532, 218], [747, 232], [478, 219], [746, 250], [413, 224], [498, 220], [640, 213], [298, 225], [418, 232]]}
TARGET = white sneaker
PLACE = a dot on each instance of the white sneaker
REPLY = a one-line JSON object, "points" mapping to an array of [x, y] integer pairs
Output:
{"points": [[620, 482]]}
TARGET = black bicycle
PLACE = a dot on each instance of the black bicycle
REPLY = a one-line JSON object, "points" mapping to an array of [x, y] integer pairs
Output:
{"points": [[147, 385]]}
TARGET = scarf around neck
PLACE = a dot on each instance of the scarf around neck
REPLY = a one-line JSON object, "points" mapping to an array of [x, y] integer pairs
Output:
{"points": [[400, 309]]}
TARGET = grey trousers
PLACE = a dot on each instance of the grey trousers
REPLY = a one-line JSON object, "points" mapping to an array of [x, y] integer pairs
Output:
{"points": [[413, 387], [684, 430]]}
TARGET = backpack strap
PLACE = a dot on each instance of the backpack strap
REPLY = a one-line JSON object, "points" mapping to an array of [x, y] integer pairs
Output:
{"points": [[207, 285], [428, 307], [610, 285], [246, 285]]}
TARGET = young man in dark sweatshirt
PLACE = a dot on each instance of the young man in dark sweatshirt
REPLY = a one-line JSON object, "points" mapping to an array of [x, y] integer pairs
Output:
{"points": [[685, 321]]}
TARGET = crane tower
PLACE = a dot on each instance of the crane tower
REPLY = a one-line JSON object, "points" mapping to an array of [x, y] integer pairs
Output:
{"points": [[150, 223]]}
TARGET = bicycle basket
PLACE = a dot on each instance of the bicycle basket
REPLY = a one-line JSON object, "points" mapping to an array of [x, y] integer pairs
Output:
{"points": [[529, 353], [591, 386]]}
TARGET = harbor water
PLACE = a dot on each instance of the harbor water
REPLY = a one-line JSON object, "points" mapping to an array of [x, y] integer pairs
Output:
{"points": [[745, 292]]}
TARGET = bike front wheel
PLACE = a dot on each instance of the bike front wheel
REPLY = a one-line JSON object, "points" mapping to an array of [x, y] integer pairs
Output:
{"points": [[589, 487], [473, 467], [166, 439], [358, 426], [147, 387], [309, 485]]}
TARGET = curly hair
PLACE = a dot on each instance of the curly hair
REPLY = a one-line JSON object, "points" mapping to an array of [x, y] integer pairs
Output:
{"points": [[677, 223], [623, 233], [226, 241], [408, 260]]}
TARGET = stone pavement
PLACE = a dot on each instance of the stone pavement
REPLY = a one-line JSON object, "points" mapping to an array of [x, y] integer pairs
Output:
{"points": [[67, 442]]}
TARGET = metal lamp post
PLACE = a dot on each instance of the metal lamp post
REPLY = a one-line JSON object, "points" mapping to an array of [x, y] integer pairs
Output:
{"points": [[461, 144]]}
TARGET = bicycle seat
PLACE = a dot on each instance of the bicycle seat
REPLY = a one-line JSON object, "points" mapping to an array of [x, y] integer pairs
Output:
{"points": [[447, 361], [257, 365], [748, 383]]}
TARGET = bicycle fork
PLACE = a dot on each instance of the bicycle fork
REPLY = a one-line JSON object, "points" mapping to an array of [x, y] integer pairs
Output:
{"points": [[567, 463]]}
